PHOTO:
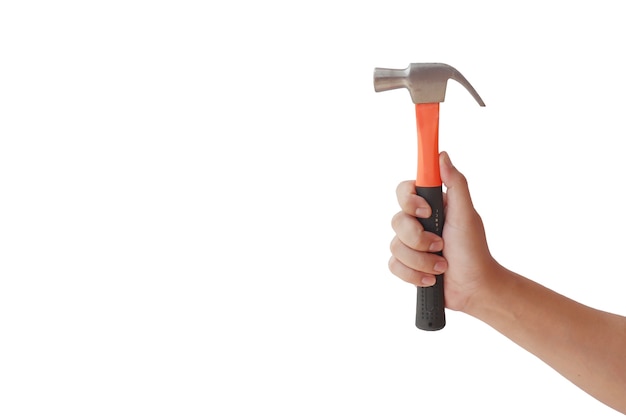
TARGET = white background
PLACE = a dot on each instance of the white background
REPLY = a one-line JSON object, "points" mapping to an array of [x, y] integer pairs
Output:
{"points": [[195, 202]]}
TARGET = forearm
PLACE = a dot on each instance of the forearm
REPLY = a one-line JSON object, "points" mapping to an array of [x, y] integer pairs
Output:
{"points": [[585, 345]]}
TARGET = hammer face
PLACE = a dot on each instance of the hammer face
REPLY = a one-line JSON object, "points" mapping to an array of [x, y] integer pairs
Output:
{"points": [[426, 82]]}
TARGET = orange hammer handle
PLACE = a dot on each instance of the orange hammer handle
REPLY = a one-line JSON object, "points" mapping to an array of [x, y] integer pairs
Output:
{"points": [[430, 308], [427, 117]]}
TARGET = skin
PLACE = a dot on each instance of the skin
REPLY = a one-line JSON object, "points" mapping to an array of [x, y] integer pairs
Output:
{"points": [[585, 345]]}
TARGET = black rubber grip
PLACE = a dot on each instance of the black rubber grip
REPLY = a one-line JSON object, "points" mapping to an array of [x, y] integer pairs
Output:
{"points": [[430, 314]]}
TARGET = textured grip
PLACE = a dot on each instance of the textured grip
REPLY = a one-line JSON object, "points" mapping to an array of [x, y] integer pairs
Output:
{"points": [[430, 313]]}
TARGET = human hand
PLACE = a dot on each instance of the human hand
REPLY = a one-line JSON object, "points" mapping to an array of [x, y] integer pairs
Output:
{"points": [[466, 262]]}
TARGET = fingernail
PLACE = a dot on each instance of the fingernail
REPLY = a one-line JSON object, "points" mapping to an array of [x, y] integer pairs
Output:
{"points": [[429, 281], [446, 159], [440, 266], [422, 212], [436, 246]]}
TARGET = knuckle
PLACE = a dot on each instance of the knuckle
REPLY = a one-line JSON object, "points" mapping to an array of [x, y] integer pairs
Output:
{"points": [[403, 193], [418, 241], [462, 179], [402, 188], [404, 273], [403, 201], [417, 238], [393, 262], [395, 220], [394, 245]]}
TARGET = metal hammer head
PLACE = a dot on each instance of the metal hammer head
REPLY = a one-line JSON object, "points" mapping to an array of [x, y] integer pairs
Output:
{"points": [[426, 82]]}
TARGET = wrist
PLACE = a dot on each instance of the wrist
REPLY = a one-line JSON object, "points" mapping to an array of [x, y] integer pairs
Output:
{"points": [[493, 293]]}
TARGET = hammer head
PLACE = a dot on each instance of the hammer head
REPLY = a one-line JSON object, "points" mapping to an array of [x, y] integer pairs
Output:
{"points": [[426, 82]]}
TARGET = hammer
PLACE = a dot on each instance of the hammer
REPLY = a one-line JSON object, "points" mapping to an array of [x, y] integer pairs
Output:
{"points": [[427, 83]]}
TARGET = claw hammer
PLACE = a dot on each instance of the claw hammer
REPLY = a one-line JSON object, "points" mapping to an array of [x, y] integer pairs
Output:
{"points": [[427, 84]]}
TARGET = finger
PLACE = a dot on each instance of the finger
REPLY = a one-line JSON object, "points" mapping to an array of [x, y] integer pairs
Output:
{"points": [[410, 202], [428, 263], [409, 275], [411, 232], [457, 190]]}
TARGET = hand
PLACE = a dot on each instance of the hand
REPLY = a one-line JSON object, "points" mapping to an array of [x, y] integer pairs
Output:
{"points": [[466, 260]]}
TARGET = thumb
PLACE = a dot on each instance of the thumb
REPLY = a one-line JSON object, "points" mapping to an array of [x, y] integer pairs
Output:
{"points": [[458, 194]]}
